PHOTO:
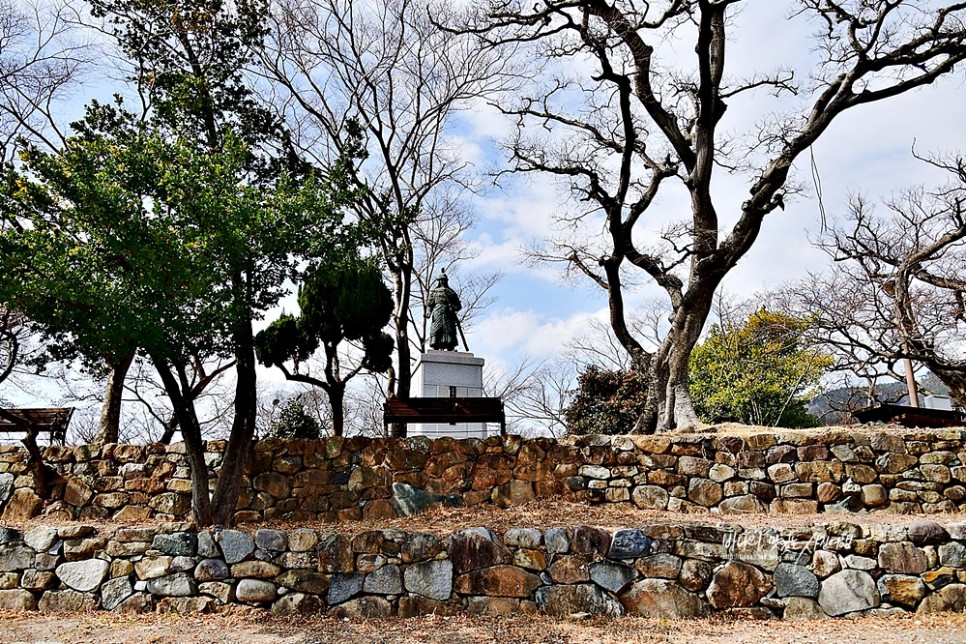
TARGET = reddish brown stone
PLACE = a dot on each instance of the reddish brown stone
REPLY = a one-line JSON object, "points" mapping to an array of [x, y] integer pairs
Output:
{"points": [[570, 569], [686, 449], [128, 453], [590, 541], [665, 479], [828, 492], [514, 493], [400, 458], [497, 581], [378, 509], [132, 513], [149, 486], [476, 548], [59, 454], [793, 506], [820, 471], [475, 497], [349, 514], [737, 585], [417, 606], [652, 444], [487, 479], [23, 505], [373, 456], [335, 554], [274, 484], [812, 453]]}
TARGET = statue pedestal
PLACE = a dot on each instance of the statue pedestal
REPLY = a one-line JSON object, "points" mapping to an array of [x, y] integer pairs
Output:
{"points": [[447, 374]]}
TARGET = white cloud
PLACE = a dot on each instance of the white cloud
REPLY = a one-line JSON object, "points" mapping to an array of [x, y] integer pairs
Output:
{"points": [[530, 332]]}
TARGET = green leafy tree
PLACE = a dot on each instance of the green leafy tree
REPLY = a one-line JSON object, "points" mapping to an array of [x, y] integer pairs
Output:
{"points": [[135, 236], [759, 373], [189, 60], [341, 300], [606, 402], [295, 422]]}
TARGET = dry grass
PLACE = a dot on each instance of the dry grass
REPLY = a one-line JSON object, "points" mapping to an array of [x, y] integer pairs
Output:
{"points": [[256, 628], [549, 513]]}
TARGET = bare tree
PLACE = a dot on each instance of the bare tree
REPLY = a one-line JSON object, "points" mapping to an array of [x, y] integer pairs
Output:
{"points": [[440, 243], [155, 421], [42, 60], [383, 66], [12, 338], [898, 289], [620, 122], [535, 395]]}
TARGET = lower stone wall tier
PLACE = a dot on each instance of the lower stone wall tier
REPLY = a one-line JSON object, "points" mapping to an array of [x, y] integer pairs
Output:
{"points": [[836, 569]]}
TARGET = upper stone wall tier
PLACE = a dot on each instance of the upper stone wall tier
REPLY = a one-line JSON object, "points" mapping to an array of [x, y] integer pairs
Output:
{"points": [[340, 479]]}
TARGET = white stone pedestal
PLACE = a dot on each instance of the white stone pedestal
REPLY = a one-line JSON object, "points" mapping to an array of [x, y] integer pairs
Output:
{"points": [[447, 374]]}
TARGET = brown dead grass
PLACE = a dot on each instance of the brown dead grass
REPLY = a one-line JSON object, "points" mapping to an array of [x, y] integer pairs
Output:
{"points": [[547, 513], [255, 627]]}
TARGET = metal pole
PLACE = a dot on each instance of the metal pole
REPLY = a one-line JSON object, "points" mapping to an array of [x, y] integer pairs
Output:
{"points": [[889, 287], [911, 383]]}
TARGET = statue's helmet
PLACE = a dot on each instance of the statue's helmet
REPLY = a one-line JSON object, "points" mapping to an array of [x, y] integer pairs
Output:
{"points": [[442, 280]]}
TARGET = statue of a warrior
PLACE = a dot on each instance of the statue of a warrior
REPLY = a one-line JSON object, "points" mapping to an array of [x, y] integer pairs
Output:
{"points": [[441, 309]]}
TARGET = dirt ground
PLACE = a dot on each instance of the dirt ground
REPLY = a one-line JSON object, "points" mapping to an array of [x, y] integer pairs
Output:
{"points": [[257, 628], [545, 514]]}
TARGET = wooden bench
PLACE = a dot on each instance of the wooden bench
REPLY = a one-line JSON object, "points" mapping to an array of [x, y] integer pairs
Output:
{"points": [[910, 416], [48, 420], [445, 410]]}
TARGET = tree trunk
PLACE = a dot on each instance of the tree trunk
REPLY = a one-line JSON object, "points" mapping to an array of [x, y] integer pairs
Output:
{"points": [[194, 446], [657, 377], [242, 429], [337, 400], [404, 376], [170, 428], [678, 407], [109, 430], [668, 405], [43, 474], [955, 379]]}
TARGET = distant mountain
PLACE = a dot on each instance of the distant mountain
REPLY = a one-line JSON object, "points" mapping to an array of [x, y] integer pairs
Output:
{"points": [[933, 385], [833, 407]]}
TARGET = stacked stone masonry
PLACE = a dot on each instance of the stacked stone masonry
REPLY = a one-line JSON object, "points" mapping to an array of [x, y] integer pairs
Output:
{"points": [[834, 569], [890, 470]]}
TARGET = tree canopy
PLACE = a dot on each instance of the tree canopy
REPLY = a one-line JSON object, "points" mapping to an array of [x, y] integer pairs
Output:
{"points": [[761, 372], [343, 299], [132, 237]]}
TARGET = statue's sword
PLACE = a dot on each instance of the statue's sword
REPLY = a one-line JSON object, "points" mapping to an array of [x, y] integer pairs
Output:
{"points": [[459, 327]]}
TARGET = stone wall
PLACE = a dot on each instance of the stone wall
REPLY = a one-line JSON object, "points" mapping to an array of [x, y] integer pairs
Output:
{"points": [[657, 570], [346, 479]]}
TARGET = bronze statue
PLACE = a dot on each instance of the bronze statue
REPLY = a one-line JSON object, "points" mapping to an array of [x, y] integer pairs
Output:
{"points": [[441, 308]]}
